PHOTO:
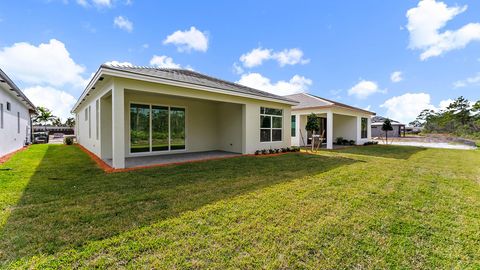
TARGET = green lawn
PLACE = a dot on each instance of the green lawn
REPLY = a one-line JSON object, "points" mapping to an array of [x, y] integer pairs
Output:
{"points": [[361, 207]]}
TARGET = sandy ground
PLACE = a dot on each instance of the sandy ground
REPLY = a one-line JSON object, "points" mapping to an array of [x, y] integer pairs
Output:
{"points": [[433, 141]]}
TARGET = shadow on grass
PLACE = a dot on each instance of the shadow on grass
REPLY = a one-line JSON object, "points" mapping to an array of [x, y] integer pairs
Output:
{"points": [[385, 151], [68, 201]]}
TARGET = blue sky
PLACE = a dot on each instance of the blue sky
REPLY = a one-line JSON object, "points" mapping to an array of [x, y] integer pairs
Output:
{"points": [[392, 57]]}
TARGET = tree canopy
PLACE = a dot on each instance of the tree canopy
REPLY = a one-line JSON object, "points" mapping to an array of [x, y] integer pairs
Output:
{"points": [[461, 117]]}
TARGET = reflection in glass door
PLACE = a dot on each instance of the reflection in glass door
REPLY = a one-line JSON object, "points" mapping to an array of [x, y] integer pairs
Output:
{"points": [[177, 128], [139, 128], [159, 128]]}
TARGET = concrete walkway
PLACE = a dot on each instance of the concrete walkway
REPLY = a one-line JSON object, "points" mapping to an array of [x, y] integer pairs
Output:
{"points": [[132, 162]]}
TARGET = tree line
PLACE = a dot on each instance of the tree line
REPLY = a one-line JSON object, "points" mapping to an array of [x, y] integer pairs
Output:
{"points": [[45, 116], [461, 118]]}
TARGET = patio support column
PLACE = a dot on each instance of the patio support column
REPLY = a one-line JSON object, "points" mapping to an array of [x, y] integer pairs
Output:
{"points": [[330, 130], [359, 129], [369, 128], [118, 127]]}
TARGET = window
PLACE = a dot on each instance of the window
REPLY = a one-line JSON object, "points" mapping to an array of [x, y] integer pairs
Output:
{"points": [[9, 107], [89, 122], [156, 128], [271, 124], [97, 124], [86, 114], [364, 130], [294, 124], [18, 122], [1, 115]]}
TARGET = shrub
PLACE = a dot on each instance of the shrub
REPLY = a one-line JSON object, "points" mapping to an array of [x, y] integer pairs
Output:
{"points": [[352, 142], [271, 151], [264, 151], [284, 150], [339, 140], [257, 152], [371, 143], [68, 140], [288, 149], [345, 142], [277, 151]]}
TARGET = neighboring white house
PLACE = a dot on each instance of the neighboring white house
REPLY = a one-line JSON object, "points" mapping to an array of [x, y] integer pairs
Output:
{"points": [[15, 120], [335, 119], [140, 111]]}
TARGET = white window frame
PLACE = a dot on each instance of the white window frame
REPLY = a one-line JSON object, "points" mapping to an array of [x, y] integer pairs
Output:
{"points": [[366, 128], [89, 122], [163, 152], [271, 125], [18, 122], [1, 115], [97, 116]]}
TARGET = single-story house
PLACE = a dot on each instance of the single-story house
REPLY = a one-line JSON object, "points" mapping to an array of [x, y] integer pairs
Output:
{"points": [[377, 123], [335, 119], [15, 116], [129, 112]]}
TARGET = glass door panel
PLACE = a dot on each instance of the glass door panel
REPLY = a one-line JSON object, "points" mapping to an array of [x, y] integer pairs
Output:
{"points": [[139, 128], [159, 128], [177, 128]]}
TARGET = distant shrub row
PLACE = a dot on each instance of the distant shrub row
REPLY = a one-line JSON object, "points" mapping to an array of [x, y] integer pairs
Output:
{"points": [[277, 150]]}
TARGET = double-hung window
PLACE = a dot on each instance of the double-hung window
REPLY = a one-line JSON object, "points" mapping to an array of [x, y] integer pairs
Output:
{"points": [[271, 122]]}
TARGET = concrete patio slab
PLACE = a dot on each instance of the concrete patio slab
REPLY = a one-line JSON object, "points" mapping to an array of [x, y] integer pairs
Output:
{"points": [[132, 162]]}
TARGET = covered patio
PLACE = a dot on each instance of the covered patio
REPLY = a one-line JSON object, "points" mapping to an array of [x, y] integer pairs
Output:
{"points": [[336, 121]]}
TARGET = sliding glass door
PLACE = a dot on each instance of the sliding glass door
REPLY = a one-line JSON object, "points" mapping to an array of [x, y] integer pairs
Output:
{"points": [[156, 128], [177, 130], [159, 128], [139, 128]]}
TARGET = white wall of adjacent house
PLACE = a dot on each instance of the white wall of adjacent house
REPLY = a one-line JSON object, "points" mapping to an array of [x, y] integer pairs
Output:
{"points": [[214, 121], [14, 122]]}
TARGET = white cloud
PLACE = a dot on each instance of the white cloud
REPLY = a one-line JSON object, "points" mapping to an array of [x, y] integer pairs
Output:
{"points": [[188, 40], [117, 63], [257, 56], [475, 80], [396, 76], [163, 61], [290, 57], [444, 103], [48, 63], [364, 88], [58, 101], [123, 23], [405, 108], [97, 3], [237, 69], [297, 84], [425, 22]]}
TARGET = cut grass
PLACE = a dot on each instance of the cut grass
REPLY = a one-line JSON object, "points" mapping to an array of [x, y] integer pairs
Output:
{"points": [[361, 207]]}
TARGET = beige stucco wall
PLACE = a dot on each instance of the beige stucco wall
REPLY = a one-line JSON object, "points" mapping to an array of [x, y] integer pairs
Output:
{"points": [[214, 121], [344, 126]]}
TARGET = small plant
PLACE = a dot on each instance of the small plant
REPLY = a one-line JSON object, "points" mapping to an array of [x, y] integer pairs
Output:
{"points": [[371, 143], [284, 150], [277, 151], [339, 140], [288, 149], [264, 151], [351, 142], [257, 152], [68, 140], [295, 149], [345, 142], [271, 151]]}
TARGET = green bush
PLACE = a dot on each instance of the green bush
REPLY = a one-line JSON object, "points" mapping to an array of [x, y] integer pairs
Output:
{"points": [[68, 140]]}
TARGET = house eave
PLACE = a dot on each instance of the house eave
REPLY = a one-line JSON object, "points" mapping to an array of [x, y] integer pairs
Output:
{"points": [[333, 106], [105, 71]]}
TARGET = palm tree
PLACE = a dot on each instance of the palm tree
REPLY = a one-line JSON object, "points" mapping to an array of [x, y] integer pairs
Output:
{"points": [[44, 116], [70, 122]]}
